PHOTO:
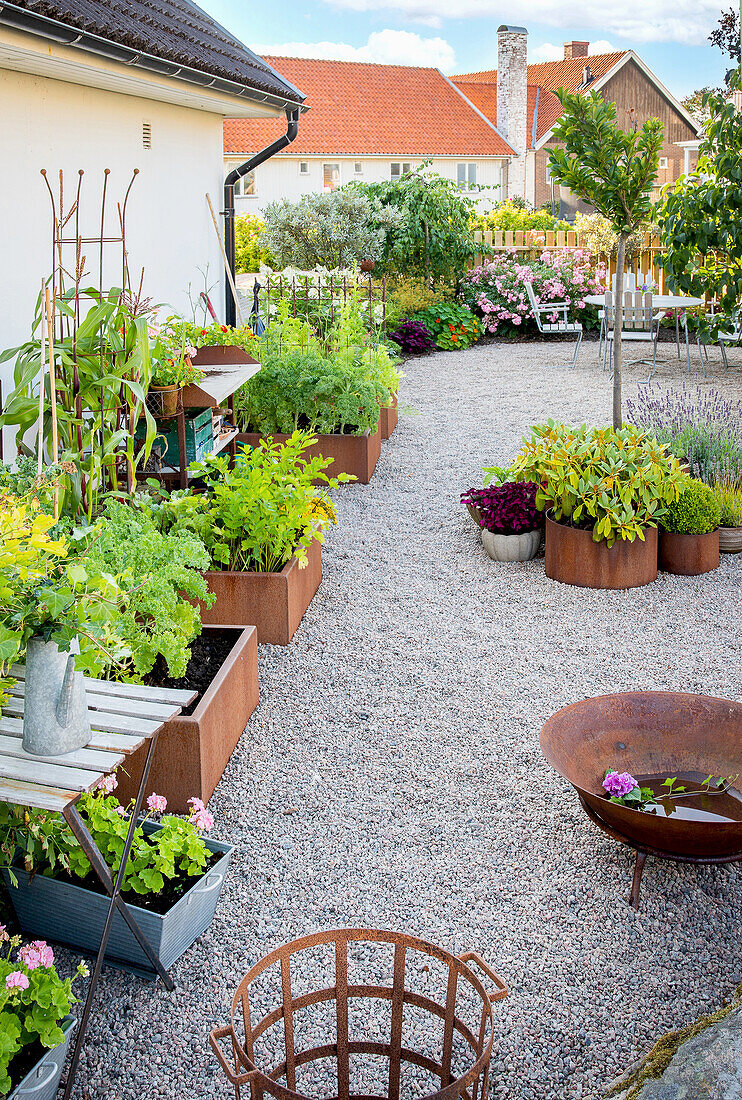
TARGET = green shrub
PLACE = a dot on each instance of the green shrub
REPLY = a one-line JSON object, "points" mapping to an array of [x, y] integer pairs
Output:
{"points": [[515, 217], [453, 326], [411, 295], [159, 570], [249, 252], [335, 229], [729, 499], [257, 513], [614, 483], [695, 512]]}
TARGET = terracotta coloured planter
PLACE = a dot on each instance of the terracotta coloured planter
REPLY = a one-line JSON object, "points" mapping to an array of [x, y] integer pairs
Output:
{"points": [[274, 602], [730, 540], [193, 750], [389, 418], [573, 558], [351, 454], [688, 555], [221, 355]]}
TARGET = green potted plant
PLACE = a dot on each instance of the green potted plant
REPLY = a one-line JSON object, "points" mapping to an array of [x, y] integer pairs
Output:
{"points": [[172, 367], [729, 498], [262, 521], [50, 604], [35, 1024], [172, 883], [606, 491], [689, 536], [214, 345]]}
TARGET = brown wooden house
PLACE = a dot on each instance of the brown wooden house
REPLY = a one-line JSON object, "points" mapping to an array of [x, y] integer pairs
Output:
{"points": [[519, 99]]}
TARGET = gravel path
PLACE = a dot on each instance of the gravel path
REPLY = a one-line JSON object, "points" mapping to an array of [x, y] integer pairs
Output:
{"points": [[400, 729]]}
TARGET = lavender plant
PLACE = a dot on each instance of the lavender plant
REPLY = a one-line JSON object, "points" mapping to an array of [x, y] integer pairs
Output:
{"points": [[701, 428]]}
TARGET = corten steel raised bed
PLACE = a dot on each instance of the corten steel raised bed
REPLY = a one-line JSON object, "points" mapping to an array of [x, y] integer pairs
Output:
{"points": [[574, 558], [362, 965], [42, 1080], [74, 916], [389, 418], [688, 555], [274, 602], [351, 454], [652, 733], [193, 750]]}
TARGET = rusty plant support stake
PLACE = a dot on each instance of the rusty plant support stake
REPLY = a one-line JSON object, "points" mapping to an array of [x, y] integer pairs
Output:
{"points": [[470, 1084]]}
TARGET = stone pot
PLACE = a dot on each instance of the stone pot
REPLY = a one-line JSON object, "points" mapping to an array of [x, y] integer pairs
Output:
{"points": [[522, 547], [55, 707], [688, 555], [573, 558], [730, 540]]}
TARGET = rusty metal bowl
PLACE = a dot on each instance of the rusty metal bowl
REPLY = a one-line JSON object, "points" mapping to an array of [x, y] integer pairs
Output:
{"points": [[650, 733]]}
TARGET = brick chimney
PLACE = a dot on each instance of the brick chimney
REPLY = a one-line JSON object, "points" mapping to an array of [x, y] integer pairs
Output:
{"points": [[575, 49], [512, 99]]}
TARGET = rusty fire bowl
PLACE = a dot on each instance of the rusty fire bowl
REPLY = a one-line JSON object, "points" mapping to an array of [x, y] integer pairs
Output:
{"points": [[645, 733]]}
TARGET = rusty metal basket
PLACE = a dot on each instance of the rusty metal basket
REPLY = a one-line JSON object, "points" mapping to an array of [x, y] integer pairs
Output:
{"points": [[457, 1034]]}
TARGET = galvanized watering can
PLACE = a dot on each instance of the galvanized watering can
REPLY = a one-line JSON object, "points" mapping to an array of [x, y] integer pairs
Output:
{"points": [[55, 710]]}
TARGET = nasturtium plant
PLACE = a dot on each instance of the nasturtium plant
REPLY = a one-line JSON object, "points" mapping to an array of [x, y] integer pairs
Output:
{"points": [[452, 326], [615, 483]]}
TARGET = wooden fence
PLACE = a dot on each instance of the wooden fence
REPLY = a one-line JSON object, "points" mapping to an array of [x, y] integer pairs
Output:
{"points": [[532, 243]]}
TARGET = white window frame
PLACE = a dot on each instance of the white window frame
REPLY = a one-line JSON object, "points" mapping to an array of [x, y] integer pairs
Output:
{"points": [[303, 167], [402, 166], [464, 172], [334, 165], [664, 163], [239, 187], [358, 168]]}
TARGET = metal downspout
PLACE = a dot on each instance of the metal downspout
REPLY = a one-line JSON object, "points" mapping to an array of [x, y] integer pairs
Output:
{"points": [[292, 129]]}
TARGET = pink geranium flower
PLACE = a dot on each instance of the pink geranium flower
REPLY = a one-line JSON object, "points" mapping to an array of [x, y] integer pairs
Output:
{"points": [[16, 980], [37, 954], [157, 803], [200, 816], [108, 783]]}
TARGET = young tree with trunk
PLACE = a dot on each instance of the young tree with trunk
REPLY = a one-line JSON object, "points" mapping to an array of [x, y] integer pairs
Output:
{"points": [[614, 171]]}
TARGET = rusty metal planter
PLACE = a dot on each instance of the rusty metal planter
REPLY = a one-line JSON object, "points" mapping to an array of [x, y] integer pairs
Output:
{"points": [[389, 418], [193, 750], [351, 454], [274, 602], [574, 558], [455, 1062], [688, 555]]}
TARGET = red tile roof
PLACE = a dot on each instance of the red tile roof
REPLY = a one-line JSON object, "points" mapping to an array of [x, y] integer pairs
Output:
{"points": [[481, 88], [359, 109]]}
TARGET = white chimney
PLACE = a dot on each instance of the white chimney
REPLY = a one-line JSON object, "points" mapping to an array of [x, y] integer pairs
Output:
{"points": [[512, 99]]}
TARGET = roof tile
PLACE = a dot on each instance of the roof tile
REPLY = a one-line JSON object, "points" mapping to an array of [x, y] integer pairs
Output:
{"points": [[360, 109]]}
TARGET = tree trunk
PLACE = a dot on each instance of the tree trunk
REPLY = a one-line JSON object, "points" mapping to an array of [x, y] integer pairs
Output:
{"points": [[617, 326]]}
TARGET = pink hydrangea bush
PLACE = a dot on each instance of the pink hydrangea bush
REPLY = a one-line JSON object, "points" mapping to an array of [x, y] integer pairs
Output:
{"points": [[33, 1002], [497, 289]]}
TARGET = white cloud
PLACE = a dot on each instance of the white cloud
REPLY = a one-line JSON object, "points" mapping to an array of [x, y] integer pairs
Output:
{"points": [[387, 47], [550, 52], [683, 21]]}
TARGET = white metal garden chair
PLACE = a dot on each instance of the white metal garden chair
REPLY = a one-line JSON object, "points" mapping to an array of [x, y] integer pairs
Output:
{"points": [[638, 324], [561, 327]]}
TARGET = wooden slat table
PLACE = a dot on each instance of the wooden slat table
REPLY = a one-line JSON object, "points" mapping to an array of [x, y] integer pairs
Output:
{"points": [[122, 717]]}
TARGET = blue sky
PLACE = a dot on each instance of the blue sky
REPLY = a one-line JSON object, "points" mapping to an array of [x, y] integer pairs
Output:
{"points": [[461, 35]]}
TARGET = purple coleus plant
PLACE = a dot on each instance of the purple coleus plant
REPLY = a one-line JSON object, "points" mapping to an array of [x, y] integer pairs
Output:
{"points": [[413, 338], [507, 509]]}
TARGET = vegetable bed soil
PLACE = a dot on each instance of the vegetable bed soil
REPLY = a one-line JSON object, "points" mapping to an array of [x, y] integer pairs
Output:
{"points": [[388, 419], [194, 749], [351, 454], [274, 602]]}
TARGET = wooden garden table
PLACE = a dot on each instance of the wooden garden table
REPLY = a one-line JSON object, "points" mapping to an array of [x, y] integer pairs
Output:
{"points": [[122, 718]]}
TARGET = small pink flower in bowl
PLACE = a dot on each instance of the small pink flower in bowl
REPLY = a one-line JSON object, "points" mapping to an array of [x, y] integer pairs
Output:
{"points": [[157, 803]]}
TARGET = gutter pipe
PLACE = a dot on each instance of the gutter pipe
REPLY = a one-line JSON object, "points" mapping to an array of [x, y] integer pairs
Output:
{"points": [[292, 129]]}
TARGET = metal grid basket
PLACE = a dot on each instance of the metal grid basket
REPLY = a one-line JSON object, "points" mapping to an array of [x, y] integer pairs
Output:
{"points": [[457, 1055]]}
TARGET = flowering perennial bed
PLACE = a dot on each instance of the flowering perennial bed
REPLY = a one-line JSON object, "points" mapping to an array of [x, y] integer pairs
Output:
{"points": [[497, 289]]}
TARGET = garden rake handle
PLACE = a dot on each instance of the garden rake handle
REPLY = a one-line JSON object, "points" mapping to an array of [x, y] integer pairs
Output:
{"points": [[500, 985], [234, 1078]]}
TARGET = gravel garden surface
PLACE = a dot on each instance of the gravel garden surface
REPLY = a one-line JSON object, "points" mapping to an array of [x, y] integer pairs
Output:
{"points": [[392, 777]]}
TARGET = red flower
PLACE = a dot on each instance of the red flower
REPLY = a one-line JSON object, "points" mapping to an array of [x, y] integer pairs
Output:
{"points": [[437, 320], [203, 331], [451, 328], [224, 328]]}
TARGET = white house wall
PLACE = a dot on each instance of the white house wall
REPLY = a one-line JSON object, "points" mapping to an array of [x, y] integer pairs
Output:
{"points": [[280, 178], [52, 124]]}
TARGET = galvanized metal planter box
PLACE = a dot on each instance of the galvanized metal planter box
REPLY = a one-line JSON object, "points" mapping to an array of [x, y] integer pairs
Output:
{"points": [[74, 916], [42, 1082]]}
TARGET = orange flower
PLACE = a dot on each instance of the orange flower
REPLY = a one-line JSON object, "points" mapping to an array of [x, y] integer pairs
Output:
{"points": [[451, 328], [437, 320], [455, 337]]}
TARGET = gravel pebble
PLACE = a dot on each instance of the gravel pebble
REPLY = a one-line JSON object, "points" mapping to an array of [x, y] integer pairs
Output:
{"points": [[401, 730]]}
